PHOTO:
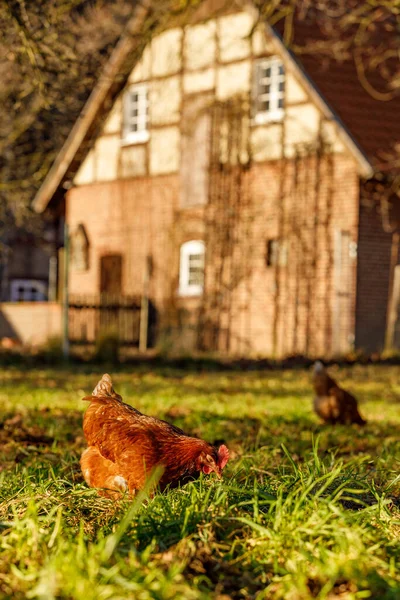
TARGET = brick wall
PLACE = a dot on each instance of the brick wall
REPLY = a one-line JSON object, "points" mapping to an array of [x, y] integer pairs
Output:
{"points": [[295, 308], [374, 248], [128, 217]]}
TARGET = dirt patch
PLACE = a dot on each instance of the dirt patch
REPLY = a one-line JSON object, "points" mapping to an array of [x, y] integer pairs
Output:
{"points": [[14, 429]]}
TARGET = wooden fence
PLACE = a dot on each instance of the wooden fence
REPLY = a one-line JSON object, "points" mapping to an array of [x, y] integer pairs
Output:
{"points": [[90, 316]]}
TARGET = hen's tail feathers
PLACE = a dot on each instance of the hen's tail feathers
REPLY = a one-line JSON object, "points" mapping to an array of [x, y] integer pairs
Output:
{"points": [[104, 389]]}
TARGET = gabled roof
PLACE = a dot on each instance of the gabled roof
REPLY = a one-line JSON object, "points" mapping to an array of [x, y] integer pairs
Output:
{"points": [[363, 101], [369, 127], [374, 124]]}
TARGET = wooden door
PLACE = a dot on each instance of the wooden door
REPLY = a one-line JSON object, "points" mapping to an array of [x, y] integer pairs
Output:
{"points": [[111, 274], [110, 293]]}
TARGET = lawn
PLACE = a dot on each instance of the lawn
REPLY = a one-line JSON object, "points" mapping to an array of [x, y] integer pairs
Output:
{"points": [[303, 511]]}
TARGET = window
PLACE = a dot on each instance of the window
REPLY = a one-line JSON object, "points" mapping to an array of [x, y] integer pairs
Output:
{"points": [[191, 269], [136, 114], [79, 249], [27, 290], [269, 90], [277, 253]]}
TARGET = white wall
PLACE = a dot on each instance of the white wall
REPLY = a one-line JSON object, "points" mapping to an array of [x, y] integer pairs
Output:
{"points": [[216, 56]]}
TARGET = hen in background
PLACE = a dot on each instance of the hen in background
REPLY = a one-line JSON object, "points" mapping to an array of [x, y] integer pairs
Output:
{"points": [[331, 402], [124, 446]]}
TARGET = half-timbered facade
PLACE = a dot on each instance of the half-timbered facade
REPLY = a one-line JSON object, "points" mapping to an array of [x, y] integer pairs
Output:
{"points": [[227, 187]]}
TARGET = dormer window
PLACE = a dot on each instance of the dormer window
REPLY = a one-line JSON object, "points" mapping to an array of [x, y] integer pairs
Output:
{"points": [[136, 115], [269, 93]]}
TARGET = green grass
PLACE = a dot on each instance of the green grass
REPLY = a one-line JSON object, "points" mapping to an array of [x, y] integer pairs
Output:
{"points": [[304, 510]]}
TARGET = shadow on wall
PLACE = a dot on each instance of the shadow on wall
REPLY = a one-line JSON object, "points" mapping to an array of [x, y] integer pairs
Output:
{"points": [[30, 323], [6, 328]]}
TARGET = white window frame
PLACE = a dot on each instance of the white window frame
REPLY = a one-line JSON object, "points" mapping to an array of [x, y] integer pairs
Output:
{"points": [[188, 249], [21, 290], [274, 112], [141, 119]]}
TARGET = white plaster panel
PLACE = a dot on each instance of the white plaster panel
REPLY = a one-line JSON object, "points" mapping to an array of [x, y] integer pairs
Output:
{"points": [[294, 91], [302, 126], [200, 45], [114, 120], [86, 172], [262, 43], [330, 136], [233, 79], [142, 70], [199, 82], [165, 100], [107, 153], [233, 32], [164, 150], [133, 161], [166, 53], [195, 144], [266, 142]]}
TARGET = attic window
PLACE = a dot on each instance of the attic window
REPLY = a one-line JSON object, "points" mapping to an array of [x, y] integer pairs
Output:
{"points": [[269, 92], [136, 115]]}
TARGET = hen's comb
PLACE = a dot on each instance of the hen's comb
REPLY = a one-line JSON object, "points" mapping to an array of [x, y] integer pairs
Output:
{"points": [[105, 388], [223, 456]]}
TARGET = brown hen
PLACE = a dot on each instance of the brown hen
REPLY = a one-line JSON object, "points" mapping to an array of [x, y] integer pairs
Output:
{"points": [[331, 402], [125, 446]]}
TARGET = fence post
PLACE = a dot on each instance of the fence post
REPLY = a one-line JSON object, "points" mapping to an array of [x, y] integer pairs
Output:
{"points": [[53, 279], [393, 309], [65, 340], [144, 307]]}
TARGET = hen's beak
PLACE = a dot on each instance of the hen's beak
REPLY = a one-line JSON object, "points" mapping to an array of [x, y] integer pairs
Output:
{"points": [[218, 472]]}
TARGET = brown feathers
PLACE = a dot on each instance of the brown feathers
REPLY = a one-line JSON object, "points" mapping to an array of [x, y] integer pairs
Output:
{"points": [[124, 446], [331, 402]]}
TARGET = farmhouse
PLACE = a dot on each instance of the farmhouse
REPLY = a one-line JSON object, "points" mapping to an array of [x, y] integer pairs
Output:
{"points": [[234, 185]]}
